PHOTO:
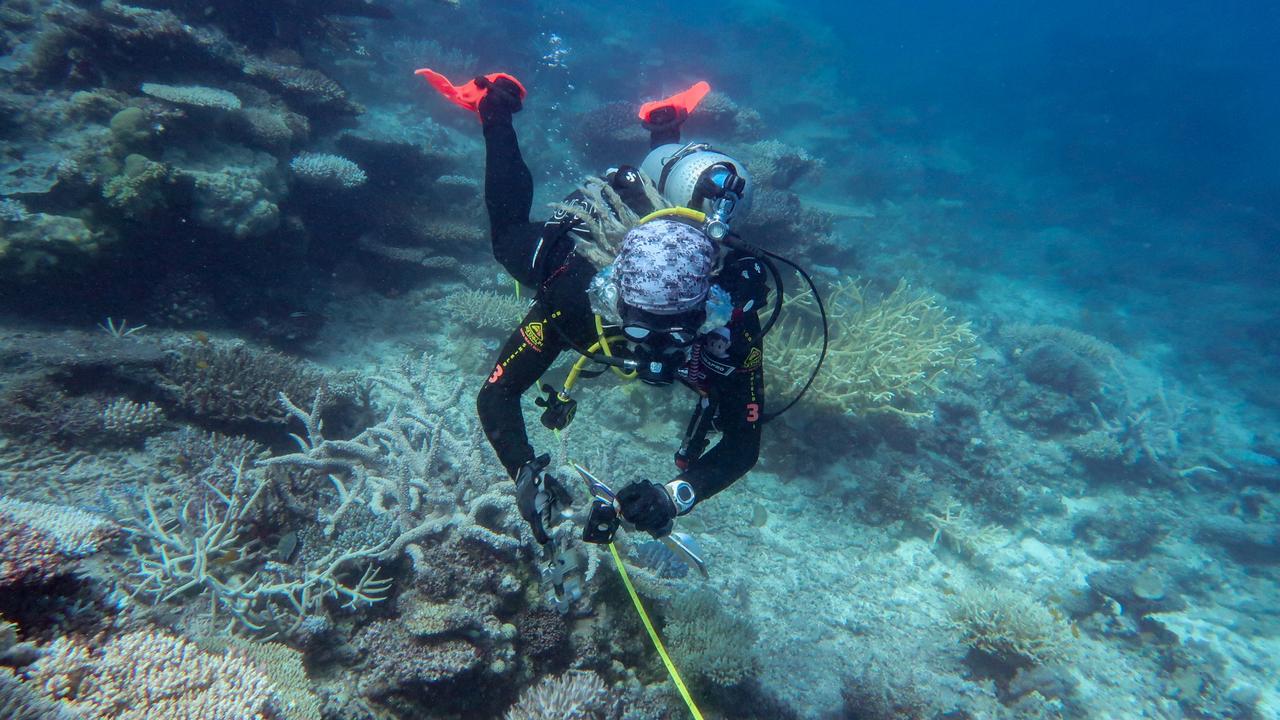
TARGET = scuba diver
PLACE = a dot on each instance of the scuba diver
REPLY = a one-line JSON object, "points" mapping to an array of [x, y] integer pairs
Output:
{"points": [[639, 271]]}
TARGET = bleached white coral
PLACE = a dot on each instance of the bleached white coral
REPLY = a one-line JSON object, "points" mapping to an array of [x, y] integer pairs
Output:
{"points": [[77, 533], [127, 419], [148, 674], [328, 170], [193, 95]]}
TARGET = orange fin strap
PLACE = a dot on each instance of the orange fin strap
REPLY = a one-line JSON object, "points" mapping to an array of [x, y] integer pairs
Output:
{"points": [[468, 94], [686, 100]]}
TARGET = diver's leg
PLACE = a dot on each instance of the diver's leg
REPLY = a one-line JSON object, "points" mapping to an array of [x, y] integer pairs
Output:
{"points": [[508, 197]]}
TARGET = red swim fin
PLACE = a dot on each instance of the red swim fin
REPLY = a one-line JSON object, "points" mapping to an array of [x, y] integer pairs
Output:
{"points": [[686, 100], [468, 94]]}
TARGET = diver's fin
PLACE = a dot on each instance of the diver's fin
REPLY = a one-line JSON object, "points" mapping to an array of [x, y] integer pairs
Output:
{"points": [[468, 94], [685, 100]]}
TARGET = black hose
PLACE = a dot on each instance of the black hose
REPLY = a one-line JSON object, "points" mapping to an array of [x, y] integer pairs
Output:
{"points": [[765, 255], [826, 337]]}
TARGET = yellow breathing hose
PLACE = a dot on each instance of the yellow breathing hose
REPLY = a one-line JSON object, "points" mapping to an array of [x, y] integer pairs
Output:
{"points": [[683, 212]]}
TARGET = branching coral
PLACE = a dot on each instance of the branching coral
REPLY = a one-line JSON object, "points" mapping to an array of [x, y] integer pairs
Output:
{"points": [[128, 420], [884, 356], [39, 541], [1010, 626], [148, 674], [400, 468], [951, 522], [576, 695], [206, 550], [485, 309]]}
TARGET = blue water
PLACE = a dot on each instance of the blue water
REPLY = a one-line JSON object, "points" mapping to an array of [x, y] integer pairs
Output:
{"points": [[247, 297]]}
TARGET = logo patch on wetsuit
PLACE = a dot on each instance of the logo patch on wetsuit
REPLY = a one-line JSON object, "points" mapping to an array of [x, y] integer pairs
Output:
{"points": [[533, 335], [715, 366], [753, 359]]}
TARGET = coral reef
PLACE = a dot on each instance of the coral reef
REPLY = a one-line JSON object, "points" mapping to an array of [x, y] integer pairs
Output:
{"points": [[145, 673], [573, 696], [193, 95], [884, 356], [1010, 626], [39, 541], [716, 646], [485, 309], [325, 170]]}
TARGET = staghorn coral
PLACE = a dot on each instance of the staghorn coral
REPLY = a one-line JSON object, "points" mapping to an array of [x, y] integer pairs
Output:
{"points": [[604, 215], [150, 674], [575, 695], [425, 467], [485, 309], [40, 541], [1010, 626], [127, 420], [950, 521], [883, 356], [182, 549]]}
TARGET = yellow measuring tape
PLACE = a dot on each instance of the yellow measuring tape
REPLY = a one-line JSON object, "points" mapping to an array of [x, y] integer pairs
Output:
{"points": [[653, 634]]}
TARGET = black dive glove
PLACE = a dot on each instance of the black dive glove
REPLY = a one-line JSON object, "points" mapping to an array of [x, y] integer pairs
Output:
{"points": [[647, 506], [539, 496], [501, 100]]}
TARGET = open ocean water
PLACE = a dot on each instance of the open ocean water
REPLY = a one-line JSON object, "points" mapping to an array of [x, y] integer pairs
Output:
{"points": [[248, 298]]}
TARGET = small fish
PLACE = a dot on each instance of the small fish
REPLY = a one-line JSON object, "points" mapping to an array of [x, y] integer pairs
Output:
{"points": [[286, 547], [759, 516], [298, 314]]}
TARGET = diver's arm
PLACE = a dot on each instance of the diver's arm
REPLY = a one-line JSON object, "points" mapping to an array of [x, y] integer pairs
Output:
{"points": [[741, 400]]}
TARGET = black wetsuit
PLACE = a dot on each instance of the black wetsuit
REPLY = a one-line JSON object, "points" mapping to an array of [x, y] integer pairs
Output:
{"points": [[540, 255]]}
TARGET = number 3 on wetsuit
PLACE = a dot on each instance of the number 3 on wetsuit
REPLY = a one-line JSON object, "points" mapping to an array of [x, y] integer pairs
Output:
{"points": [[497, 373], [753, 412]]}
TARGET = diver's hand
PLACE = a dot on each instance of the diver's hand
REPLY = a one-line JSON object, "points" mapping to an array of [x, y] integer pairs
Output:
{"points": [[539, 496], [502, 99], [648, 506]]}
